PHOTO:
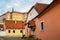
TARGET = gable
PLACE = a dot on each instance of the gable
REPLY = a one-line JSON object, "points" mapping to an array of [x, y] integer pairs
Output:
{"points": [[32, 14]]}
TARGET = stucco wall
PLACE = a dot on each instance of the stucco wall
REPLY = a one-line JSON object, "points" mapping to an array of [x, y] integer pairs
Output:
{"points": [[27, 31], [51, 25], [16, 34], [16, 16]]}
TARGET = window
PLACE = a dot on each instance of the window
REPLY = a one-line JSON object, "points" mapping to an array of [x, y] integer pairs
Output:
{"points": [[21, 31], [13, 31], [42, 25], [8, 31]]}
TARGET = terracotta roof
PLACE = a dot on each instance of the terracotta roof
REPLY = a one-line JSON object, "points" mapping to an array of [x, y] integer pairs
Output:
{"points": [[47, 8], [40, 7], [50, 6], [1, 25], [10, 24]]}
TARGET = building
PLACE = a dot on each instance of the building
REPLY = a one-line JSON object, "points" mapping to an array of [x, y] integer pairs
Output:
{"points": [[47, 21], [2, 30], [19, 16], [33, 12], [14, 19], [14, 28]]}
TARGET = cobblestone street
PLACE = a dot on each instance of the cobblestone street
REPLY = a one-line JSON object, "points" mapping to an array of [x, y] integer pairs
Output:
{"points": [[10, 38]]}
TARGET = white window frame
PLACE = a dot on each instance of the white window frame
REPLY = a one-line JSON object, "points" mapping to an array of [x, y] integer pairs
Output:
{"points": [[43, 25]]}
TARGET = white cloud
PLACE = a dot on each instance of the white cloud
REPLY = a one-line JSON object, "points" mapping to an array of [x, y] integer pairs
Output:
{"points": [[9, 6], [21, 5]]}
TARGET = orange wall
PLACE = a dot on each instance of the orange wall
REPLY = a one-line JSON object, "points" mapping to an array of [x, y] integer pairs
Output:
{"points": [[27, 31], [51, 25]]}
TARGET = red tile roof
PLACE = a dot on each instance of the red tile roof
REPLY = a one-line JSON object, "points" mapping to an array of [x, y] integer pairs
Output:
{"points": [[40, 7], [1, 25], [10, 24]]}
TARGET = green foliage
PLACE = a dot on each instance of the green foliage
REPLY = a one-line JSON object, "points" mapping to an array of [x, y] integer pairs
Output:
{"points": [[27, 38]]}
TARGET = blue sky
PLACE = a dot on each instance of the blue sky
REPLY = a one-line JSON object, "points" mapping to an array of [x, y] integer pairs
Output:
{"points": [[19, 5]]}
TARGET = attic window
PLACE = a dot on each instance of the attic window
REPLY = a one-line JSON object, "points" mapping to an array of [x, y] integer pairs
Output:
{"points": [[15, 22]]}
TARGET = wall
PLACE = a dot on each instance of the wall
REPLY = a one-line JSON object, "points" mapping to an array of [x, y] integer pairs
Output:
{"points": [[2, 33], [33, 13], [51, 25], [16, 34], [27, 31], [17, 16]]}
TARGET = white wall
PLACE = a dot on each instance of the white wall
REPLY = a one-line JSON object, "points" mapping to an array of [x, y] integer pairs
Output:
{"points": [[33, 13], [2, 33]]}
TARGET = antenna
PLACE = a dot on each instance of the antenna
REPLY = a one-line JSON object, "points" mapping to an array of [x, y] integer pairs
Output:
{"points": [[12, 9], [11, 13]]}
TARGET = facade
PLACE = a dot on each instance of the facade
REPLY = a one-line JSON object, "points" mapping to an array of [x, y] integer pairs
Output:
{"points": [[15, 20], [33, 12], [14, 29], [48, 22], [27, 31], [19, 16]]}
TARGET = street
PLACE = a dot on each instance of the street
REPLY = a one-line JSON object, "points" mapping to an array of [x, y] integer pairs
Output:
{"points": [[10, 38]]}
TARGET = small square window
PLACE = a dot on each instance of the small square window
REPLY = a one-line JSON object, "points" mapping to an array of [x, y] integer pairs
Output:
{"points": [[13, 31], [21, 31], [9, 31]]}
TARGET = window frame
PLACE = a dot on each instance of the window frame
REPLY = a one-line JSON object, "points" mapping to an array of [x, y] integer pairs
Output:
{"points": [[42, 26]]}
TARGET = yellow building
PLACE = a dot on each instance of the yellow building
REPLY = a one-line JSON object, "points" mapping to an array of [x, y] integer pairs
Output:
{"points": [[14, 29], [13, 23], [19, 16]]}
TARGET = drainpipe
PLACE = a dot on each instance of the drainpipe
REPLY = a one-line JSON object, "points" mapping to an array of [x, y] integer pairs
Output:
{"points": [[11, 13]]}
